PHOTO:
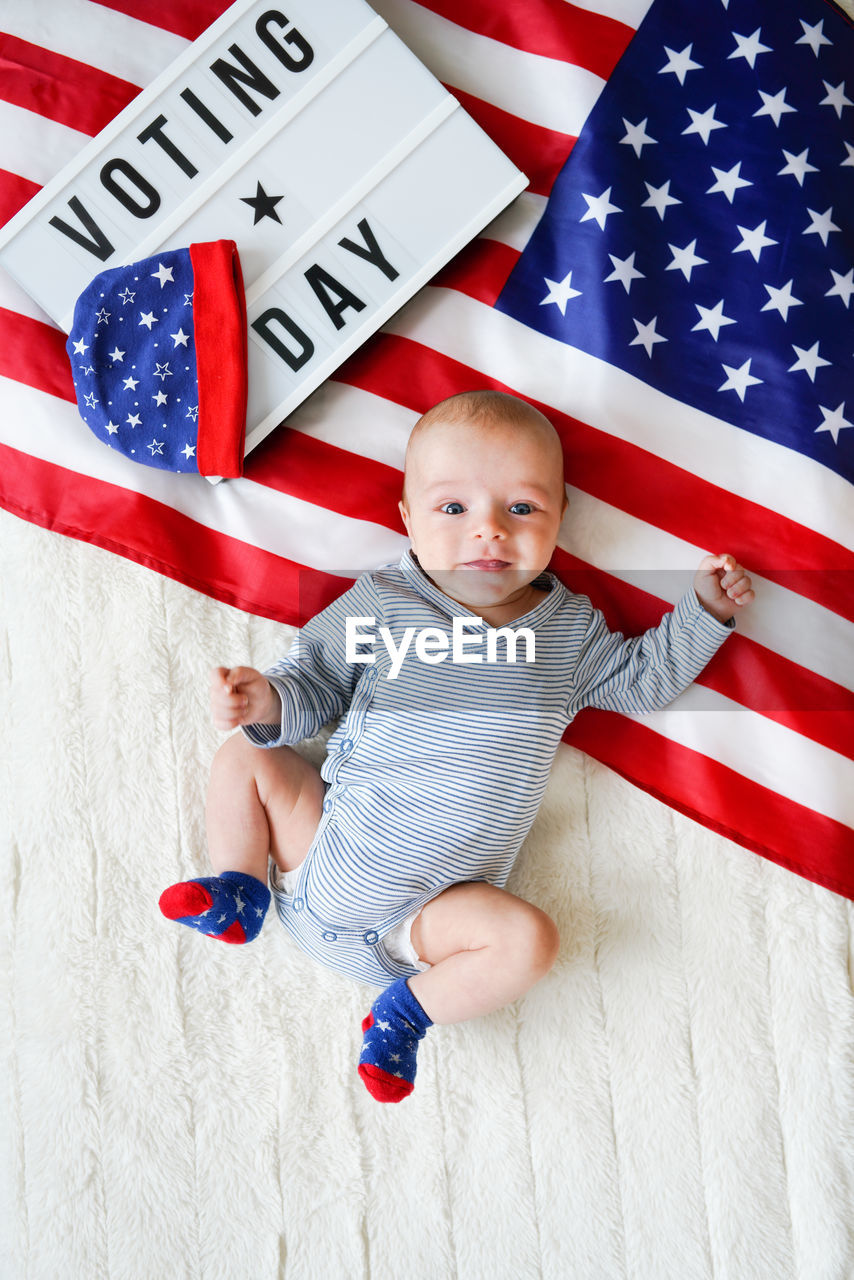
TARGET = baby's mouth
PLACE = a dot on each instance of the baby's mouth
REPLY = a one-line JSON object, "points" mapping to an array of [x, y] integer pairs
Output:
{"points": [[493, 565]]}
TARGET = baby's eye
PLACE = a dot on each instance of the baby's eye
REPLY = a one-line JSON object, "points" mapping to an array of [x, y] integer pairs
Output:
{"points": [[521, 508], [452, 508]]}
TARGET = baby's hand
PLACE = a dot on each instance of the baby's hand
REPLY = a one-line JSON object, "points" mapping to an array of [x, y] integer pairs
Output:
{"points": [[241, 695], [722, 586]]}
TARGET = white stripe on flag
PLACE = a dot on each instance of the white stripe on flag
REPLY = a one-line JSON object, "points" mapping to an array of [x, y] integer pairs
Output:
{"points": [[544, 91], [760, 749], [357, 421], [95, 35], [35, 147]]}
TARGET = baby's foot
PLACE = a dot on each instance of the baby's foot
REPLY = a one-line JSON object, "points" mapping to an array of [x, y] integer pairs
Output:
{"points": [[392, 1030], [230, 907]]}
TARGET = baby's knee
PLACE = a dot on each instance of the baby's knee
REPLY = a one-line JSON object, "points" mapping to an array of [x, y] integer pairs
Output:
{"points": [[537, 939], [546, 941], [234, 759]]}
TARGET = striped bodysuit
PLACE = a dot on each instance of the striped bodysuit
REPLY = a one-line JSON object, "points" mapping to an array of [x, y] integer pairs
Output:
{"points": [[435, 777]]}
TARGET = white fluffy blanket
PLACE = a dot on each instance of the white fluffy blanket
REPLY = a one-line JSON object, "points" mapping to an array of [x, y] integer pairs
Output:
{"points": [[676, 1099]]}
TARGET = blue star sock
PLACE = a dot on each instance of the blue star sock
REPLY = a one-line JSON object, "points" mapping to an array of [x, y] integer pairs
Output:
{"points": [[230, 907], [392, 1030]]}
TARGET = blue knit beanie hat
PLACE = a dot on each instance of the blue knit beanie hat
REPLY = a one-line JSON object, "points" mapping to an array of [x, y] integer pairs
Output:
{"points": [[158, 358]]}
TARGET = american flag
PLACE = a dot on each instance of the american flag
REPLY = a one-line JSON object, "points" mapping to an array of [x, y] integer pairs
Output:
{"points": [[673, 290]]}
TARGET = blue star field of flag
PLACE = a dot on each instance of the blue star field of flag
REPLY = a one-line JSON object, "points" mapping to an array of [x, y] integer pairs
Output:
{"points": [[134, 364], [701, 233]]}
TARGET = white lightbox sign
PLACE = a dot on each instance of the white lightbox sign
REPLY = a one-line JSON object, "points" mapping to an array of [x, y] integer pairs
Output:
{"points": [[343, 170]]}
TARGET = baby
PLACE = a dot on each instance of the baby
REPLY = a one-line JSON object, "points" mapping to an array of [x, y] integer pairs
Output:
{"points": [[389, 864]]}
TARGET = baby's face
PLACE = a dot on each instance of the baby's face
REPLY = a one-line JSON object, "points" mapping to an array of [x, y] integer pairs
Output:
{"points": [[482, 509]]}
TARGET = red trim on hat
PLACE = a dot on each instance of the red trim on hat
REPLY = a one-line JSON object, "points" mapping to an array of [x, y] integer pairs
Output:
{"points": [[219, 319]]}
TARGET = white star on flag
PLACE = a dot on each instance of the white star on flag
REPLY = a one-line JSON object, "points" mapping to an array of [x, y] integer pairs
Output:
{"points": [[685, 260], [680, 63], [156, 446], [659, 198], [781, 299], [148, 318], [599, 207], [849, 147], [189, 450], [162, 371], [637, 137], [130, 384], [836, 97], [179, 339], [560, 292], [728, 181], [834, 422], [704, 122], [127, 295], [160, 398], [809, 361], [738, 380], [90, 400], [749, 47], [624, 271], [843, 286], [797, 166], [117, 356], [646, 335], [80, 347], [163, 274], [133, 420], [753, 241], [821, 224], [774, 105], [712, 319], [813, 36], [111, 428]]}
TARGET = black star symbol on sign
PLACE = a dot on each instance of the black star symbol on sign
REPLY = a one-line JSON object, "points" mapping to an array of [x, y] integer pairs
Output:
{"points": [[264, 205]]}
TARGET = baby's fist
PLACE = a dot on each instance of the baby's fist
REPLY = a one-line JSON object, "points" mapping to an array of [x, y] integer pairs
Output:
{"points": [[241, 695], [722, 586]]}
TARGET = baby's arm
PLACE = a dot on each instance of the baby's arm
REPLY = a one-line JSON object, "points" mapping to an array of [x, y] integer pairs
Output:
{"points": [[722, 586], [646, 672], [241, 695]]}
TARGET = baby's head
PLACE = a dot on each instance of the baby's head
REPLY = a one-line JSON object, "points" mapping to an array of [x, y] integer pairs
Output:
{"points": [[483, 496]]}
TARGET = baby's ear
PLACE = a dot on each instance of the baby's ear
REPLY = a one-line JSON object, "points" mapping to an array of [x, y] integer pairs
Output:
{"points": [[404, 514]]}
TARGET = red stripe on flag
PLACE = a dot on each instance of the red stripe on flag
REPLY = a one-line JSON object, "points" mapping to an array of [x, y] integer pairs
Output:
{"points": [[410, 374], [155, 535], [742, 810], [477, 268], [188, 19], [539, 152], [551, 28], [60, 88], [15, 191], [34, 353], [315, 471]]}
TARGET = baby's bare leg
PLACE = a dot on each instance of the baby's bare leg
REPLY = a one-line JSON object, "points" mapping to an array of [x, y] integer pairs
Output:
{"points": [[260, 801], [487, 948]]}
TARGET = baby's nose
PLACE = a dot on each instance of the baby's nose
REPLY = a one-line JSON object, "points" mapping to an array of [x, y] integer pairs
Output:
{"points": [[492, 524]]}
